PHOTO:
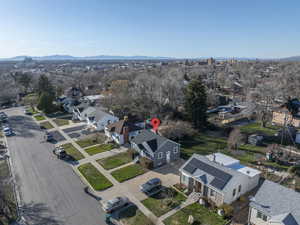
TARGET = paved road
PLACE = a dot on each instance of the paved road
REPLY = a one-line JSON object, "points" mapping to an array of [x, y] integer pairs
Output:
{"points": [[51, 192]]}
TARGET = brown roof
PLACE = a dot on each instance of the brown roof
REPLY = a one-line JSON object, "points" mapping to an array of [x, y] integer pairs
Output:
{"points": [[118, 126]]}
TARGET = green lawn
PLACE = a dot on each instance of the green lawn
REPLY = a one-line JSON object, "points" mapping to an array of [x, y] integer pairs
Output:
{"points": [[72, 151], [201, 215], [47, 125], [201, 144], [32, 110], [61, 122], [164, 201], [96, 179], [100, 148], [133, 216], [39, 117], [256, 127], [128, 172], [115, 161], [86, 142]]}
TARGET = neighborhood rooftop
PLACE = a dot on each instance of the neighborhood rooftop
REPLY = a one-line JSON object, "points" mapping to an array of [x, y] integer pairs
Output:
{"points": [[232, 163], [153, 140], [278, 202], [118, 126]]}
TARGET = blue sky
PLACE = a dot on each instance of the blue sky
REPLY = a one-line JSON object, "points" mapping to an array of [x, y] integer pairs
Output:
{"points": [[185, 28]]}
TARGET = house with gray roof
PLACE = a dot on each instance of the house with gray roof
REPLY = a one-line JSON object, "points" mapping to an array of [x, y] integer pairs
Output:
{"points": [[218, 177], [95, 117], [155, 147], [274, 204]]}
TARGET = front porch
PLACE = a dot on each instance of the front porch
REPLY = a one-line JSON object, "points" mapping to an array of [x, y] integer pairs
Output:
{"points": [[197, 186]]}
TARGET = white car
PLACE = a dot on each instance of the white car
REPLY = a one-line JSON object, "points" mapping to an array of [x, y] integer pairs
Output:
{"points": [[115, 203], [7, 131]]}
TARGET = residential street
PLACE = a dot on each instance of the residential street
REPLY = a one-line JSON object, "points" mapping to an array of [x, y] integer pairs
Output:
{"points": [[51, 193]]}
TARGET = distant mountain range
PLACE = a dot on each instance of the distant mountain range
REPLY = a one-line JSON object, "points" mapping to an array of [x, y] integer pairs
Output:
{"points": [[111, 57], [99, 57], [291, 59]]}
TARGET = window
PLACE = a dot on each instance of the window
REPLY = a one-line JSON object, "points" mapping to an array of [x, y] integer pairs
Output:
{"points": [[212, 192], [264, 218], [258, 214], [175, 149], [240, 188], [160, 155], [233, 193], [261, 216]]}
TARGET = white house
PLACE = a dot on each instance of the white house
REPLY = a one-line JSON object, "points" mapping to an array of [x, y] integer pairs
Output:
{"points": [[274, 204], [123, 131], [95, 117], [218, 177]]}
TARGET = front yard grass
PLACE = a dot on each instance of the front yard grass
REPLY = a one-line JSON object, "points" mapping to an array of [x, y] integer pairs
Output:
{"points": [[86, 142], [47, 125], [201, 215], [39, 117], [96, 179], [164, 201], [72, 151], [115, 161], [202, 144], [61, 122], [128, 172], [133, 216], [100, 148], [256, 127]]}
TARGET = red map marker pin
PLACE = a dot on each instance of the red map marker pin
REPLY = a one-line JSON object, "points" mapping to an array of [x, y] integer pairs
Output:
{"points": [[155, 122]]}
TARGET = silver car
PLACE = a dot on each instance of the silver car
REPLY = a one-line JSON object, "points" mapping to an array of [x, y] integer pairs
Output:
{"points": [[115, 203]]}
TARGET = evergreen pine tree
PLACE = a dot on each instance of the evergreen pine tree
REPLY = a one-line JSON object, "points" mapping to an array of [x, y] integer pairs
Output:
{"points": [[195, 103]]}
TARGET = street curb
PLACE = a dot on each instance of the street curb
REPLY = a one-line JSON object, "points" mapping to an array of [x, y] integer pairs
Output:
{"points": [[17, 194]]}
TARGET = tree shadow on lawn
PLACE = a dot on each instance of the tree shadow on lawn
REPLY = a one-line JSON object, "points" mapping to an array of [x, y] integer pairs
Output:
{"points": [[38, 214], [131, 211]]}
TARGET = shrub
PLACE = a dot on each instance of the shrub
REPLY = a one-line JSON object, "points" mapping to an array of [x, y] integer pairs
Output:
{"points": [[131, 153], [294, 170], [146, 163], [243, 198], [228, 210]]}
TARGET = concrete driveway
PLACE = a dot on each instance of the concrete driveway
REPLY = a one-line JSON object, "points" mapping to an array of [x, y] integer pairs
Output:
{"points": [[51, 193], [168, 174]]}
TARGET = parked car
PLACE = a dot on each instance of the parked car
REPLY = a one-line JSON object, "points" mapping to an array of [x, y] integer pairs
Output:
{"points": [[7, 131], [48, 137], [3, 157], [60, 152], [115, 203], [150, 185], [3, 117], [27, 111]]}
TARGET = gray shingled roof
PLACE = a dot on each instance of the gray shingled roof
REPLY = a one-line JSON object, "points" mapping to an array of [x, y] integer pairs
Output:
{"points": [[153, 140], [278, 202]]}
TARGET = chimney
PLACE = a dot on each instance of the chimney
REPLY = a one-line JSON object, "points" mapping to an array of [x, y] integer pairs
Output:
{"points": [[126, 134], [214, 157]]}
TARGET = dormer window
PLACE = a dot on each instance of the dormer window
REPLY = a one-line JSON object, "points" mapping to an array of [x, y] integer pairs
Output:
{"points": [[175, 149]]}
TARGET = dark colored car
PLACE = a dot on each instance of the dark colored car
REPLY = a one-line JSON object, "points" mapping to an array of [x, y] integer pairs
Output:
{"points": [[60, 153], [49, 137], [150, 185]]}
